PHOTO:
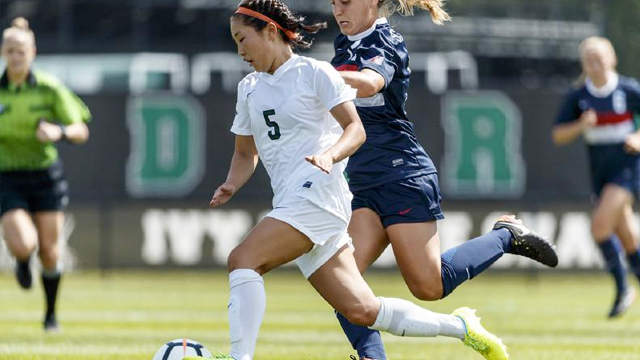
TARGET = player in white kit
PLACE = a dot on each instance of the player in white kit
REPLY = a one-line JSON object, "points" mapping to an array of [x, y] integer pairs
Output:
{"points": [[296, 115]]}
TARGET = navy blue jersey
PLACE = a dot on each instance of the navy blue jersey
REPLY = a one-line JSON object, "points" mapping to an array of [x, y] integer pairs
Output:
{"points": [[615, 105], [391, 152]]}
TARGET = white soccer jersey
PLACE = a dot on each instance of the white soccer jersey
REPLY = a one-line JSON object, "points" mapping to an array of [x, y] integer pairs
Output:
{"points": [[287, 114]]}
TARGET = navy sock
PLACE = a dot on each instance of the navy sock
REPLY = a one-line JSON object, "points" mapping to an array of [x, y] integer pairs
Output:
{"points": [[611, 252], [634, 262], [465, 261], [367, 342]]}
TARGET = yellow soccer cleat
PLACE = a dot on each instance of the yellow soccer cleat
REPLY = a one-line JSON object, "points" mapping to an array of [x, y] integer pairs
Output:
{"points": [[478, 338], [223, 357], [215, 357]]}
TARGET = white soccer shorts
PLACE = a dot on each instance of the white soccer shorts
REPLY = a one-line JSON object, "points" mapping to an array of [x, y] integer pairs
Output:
{"points": [[327, 231]]}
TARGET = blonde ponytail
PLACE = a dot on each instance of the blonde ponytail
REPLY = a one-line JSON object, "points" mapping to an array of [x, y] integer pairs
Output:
{"points": [[405, 8]]}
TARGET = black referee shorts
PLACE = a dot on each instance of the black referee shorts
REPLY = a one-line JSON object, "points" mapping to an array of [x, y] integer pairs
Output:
{"points": [[34, 191]]}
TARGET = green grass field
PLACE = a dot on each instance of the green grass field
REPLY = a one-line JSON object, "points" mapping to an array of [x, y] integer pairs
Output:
{"points": [[129, 315]]}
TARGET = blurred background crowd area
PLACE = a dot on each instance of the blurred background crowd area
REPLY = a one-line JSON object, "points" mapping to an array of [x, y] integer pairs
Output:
{"points": [[160, 78], [531, 41]]}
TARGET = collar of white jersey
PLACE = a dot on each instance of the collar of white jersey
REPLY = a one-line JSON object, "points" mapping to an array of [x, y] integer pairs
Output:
{"points": [[369, 31], [606, 89], [281, 70]]}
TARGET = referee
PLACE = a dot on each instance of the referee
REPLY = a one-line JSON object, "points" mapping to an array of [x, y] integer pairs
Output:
{"points": [[36, 111]]}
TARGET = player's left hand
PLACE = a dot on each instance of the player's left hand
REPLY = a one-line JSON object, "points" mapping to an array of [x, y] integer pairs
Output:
{"points": [[632, 144], [324, 162]]}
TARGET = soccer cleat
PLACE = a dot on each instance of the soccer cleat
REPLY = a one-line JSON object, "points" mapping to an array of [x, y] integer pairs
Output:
{"points": [[478, 338], [352, 357], [527, 242], [51, 324], [216, 357], [23, 274], [223, 357], [623, 302]]}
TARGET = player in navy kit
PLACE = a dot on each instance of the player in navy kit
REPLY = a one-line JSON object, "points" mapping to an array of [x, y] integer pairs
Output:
{"points": [[601, 109], [394, 182]]}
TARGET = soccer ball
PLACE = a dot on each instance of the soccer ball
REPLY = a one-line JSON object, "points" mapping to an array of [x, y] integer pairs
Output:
{"points": [[179, 348]]}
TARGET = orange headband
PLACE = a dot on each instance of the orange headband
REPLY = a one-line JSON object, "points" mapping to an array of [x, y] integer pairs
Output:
{"points": [[243, 10]]}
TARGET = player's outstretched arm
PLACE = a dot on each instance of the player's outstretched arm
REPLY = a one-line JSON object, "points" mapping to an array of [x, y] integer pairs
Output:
{"points": [[366, 81], [243, 164]]}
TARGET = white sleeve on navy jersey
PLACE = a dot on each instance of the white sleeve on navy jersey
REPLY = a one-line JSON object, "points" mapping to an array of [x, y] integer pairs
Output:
{"points": [[379, 61], [242, 121], [330, 87]]}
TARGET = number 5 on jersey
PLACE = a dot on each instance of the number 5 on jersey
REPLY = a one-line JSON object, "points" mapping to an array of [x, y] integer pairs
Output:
{"points": [[274, 133]]}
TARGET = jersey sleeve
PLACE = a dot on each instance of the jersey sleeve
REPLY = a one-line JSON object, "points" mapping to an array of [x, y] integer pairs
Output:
{"points": [[570, 108], [68, 108], [633, 93], [330, 87], [242, 120], [379, 61]]}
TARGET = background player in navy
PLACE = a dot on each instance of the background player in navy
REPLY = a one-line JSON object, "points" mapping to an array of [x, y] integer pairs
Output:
{"points": [[601, 109], [394, 182], [36, 111]]}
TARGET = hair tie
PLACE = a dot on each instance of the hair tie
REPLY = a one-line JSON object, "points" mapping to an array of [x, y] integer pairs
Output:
{"points": [[245, 11]]}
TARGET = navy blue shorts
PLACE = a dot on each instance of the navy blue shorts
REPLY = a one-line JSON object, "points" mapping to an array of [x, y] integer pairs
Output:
{"points": [[413, 200], [34, 191], [610, 164]]}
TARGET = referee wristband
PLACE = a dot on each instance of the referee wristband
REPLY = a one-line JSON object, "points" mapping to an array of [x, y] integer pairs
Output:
{"points": [[63, 132]]}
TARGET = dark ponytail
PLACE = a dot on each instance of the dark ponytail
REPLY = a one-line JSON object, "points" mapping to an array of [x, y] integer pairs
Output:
{"points": [[283, 16]]}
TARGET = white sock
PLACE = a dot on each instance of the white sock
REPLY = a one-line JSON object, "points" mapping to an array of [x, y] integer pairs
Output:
{"points": [[246, 309], [404, 318]]}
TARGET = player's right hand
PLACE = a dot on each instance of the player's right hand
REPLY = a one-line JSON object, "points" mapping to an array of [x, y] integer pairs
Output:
{"points": [[589, 118], [222, 195], [322, 162]]}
